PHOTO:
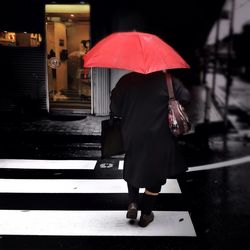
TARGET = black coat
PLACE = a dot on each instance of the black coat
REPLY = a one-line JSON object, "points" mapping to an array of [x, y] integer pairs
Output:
{"points": [[152, 153]]}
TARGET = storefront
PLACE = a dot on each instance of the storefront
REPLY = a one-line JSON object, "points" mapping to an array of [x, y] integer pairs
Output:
{"points": [[45, 72]]}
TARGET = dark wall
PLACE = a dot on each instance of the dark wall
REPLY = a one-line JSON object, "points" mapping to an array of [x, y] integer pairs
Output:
{"points": [[20, 16], [23, 69], [185, 24], [23, 85]]}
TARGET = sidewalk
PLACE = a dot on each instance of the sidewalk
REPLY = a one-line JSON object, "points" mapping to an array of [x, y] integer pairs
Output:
{"points": [[91, 125], [238, 103], [81, 126]]}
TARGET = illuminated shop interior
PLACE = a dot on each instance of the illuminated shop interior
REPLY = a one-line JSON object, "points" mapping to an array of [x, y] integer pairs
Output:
{"points": [[67, 41]]}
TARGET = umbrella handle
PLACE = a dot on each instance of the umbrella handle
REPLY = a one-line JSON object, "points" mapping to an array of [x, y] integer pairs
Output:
{"points": [[170, 86]]}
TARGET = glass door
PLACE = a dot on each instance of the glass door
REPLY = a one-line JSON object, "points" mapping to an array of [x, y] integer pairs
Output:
{"points": [[67, 41]]}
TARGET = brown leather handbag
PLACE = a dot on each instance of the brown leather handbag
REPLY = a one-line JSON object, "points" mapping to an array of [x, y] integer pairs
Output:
{"points": [[178, 120]]}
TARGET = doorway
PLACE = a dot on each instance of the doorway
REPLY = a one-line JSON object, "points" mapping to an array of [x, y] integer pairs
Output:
{"points": [[67, 41]]}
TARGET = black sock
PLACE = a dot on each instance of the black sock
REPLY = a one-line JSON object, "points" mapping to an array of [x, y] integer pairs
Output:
{"points": [[148, 202], [133, 194]]}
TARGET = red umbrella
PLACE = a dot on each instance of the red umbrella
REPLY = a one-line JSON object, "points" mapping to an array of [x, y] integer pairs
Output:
{"points": [[136, 51]]}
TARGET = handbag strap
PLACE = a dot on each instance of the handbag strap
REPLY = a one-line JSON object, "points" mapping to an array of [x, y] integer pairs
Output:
{"points": [[170, 86]]}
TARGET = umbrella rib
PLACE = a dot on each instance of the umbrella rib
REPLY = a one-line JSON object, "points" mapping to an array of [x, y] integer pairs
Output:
{"points": [[142, 50]]}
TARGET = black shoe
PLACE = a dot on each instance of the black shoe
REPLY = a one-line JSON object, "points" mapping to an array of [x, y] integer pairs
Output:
{"points": [[145, 219], [132, 211]]}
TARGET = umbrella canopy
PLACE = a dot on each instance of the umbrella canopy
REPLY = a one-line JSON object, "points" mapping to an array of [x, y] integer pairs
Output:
{"points": [[135, 51]]}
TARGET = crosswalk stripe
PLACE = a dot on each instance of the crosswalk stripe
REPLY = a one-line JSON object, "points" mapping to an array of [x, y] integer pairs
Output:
{"points": [[121, 164], [90, 164], [92, 223], [47, 164], [75, 186]]}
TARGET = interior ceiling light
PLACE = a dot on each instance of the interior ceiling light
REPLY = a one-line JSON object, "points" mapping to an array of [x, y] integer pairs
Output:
{"points": [[66, 8]]}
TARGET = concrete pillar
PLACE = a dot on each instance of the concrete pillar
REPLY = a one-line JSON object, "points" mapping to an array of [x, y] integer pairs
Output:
{"points": [[100, 91]]}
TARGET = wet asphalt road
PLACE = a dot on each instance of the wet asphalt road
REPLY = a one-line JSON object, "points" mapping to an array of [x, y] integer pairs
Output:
{"points": [[218, 200]]}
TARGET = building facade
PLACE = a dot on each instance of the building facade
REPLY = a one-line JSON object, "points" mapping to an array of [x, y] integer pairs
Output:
{"points": [[42, 45]]}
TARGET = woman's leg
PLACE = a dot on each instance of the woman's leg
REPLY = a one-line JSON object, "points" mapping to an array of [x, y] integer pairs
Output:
{"points": [[133, 195], [148, 202]]}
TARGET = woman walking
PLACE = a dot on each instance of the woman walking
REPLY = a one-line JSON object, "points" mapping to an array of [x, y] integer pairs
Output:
{"points": [[151, 151]]}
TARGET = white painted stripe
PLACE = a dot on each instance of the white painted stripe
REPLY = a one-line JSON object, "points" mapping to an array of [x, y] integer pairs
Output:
{"points": [[90, 164], [47, 164], [92, 223], [74, 186], [121, 164], [223, 164]]}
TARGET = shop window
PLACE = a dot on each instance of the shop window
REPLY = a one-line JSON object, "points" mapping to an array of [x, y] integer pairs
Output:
{"points": [[23, 39], [67, 42]]}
